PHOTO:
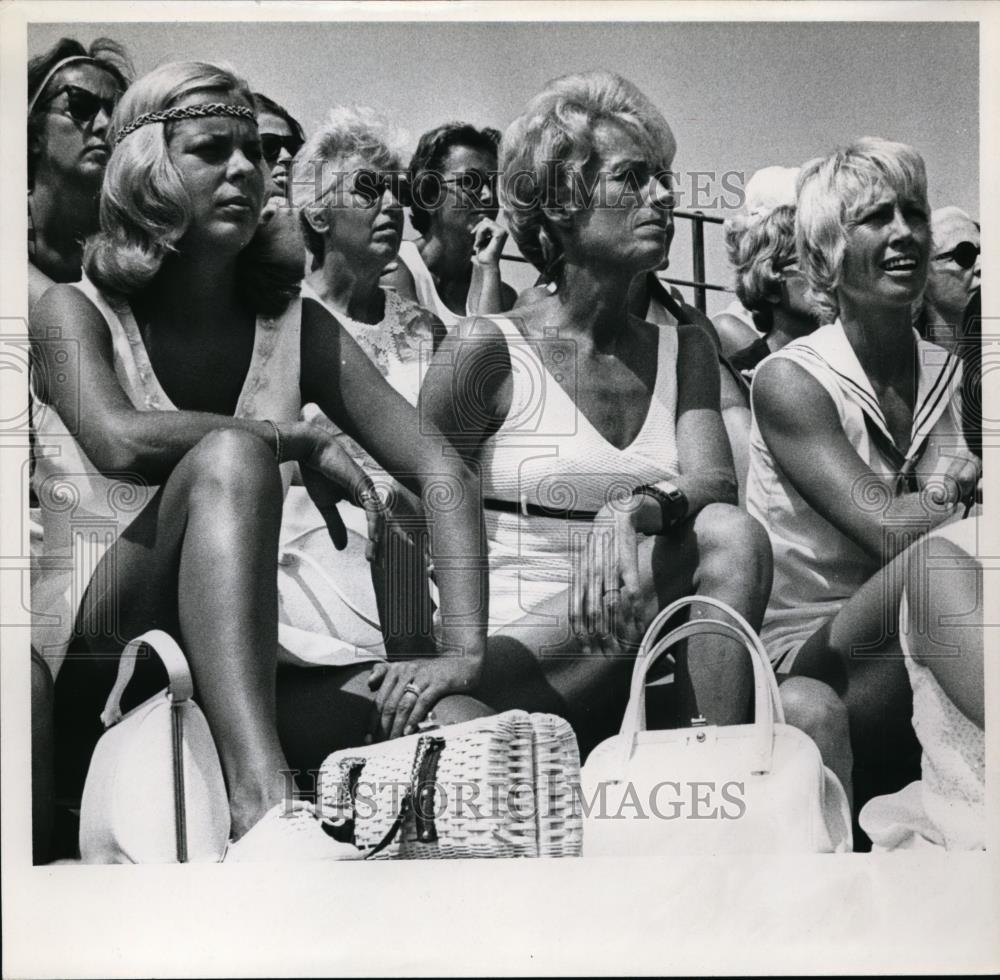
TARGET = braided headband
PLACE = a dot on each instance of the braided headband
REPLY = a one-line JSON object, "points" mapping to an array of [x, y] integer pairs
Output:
{"points": [[186, 112], [58, 66]]}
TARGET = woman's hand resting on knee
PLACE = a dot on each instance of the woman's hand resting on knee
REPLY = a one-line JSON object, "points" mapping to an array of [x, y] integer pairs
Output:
{"points": [[606, 597], [407, 690]]}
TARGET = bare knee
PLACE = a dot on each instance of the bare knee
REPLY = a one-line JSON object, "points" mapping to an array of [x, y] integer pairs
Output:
{"points": [[231, 463], [814, 708], [731, 542]]}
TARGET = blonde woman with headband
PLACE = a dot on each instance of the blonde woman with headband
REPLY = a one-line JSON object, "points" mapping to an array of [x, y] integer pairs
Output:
{"points": [[173, 432]]}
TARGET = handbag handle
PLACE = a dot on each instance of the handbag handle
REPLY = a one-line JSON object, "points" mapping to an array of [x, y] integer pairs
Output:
{"points": [[767, 704], [180, 686]]}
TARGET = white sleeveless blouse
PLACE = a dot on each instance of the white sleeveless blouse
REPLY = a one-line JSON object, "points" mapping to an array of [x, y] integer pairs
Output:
{"points": [[84, 512], [816, 567]]}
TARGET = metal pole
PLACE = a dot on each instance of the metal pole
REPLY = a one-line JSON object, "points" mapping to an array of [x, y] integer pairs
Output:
{"points": [[698, 259]]}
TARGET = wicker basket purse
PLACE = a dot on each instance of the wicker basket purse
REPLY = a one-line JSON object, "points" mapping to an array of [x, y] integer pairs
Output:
{"points": [[501, 786]]}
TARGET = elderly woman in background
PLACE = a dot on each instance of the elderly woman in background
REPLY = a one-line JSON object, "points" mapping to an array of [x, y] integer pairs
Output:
{"points": [[345, 189], [768, 283], [856, 448], [767, 189], [453, 268], [608, 480], [281, 137], [72, 92], [190, 376]]}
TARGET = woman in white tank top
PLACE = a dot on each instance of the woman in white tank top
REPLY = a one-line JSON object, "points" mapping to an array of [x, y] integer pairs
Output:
{"points": [[569, 406], [856, 449], [166, 399]]}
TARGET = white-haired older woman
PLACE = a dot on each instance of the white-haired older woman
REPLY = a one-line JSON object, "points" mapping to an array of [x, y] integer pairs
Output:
{"points": [[856, 447], [345, 183], [607, 477], [171, 384]]}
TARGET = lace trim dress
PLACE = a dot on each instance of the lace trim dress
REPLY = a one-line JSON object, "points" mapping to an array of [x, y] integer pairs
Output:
{"points": [[331, 599]]}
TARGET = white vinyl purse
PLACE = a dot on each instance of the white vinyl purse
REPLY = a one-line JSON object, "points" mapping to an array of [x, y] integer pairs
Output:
{"points": [[754, 788], [154, 792]]}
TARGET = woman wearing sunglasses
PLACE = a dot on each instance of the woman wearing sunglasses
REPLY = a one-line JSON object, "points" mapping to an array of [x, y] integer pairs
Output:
{"points": [[606, 470], [166, 499], [856, 449], [281, 137], [453, 268], [955, 276], [72, 93], [346, 191]]}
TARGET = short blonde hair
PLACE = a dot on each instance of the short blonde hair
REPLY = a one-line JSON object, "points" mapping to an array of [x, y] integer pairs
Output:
{"points": [[832, 192], [145, 208], [347, 131], [556, 133]]}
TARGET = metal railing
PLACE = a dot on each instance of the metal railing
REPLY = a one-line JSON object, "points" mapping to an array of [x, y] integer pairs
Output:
{"points": [[697, 282]]}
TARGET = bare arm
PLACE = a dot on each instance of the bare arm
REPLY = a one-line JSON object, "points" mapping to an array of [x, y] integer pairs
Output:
{"points": [[338, 376], [488, 293], [800, 424], [72, 348], [733, 333]]}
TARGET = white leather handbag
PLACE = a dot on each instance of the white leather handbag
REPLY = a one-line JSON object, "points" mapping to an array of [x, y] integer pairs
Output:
{"points": [[154, 792], [755, 788]]}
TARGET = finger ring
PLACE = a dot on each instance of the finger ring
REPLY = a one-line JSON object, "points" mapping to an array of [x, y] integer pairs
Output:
{"points": [[412, 688]]}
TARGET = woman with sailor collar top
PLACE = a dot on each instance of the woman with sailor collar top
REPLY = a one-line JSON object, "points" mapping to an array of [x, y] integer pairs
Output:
{"points": [[856, 448]]}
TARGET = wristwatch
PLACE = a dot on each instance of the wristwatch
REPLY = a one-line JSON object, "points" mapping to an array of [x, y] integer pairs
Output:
{"points": [[673, 503]]}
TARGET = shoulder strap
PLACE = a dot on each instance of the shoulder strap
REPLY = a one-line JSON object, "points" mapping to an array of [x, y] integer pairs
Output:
{"points": [[180, 686], [662, 295]]}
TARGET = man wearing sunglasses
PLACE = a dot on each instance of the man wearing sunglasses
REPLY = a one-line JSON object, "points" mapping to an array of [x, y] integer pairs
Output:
{"points": [[72, 92], [955, 274]]}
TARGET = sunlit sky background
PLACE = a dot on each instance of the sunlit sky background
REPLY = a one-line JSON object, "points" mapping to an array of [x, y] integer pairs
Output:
{"points": [[738, 96]]}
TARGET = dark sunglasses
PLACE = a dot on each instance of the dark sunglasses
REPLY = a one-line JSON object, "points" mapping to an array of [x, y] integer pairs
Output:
{"points": [[472, 182], [371, 185], [271, 145], [964, 254], [82, 105]]}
